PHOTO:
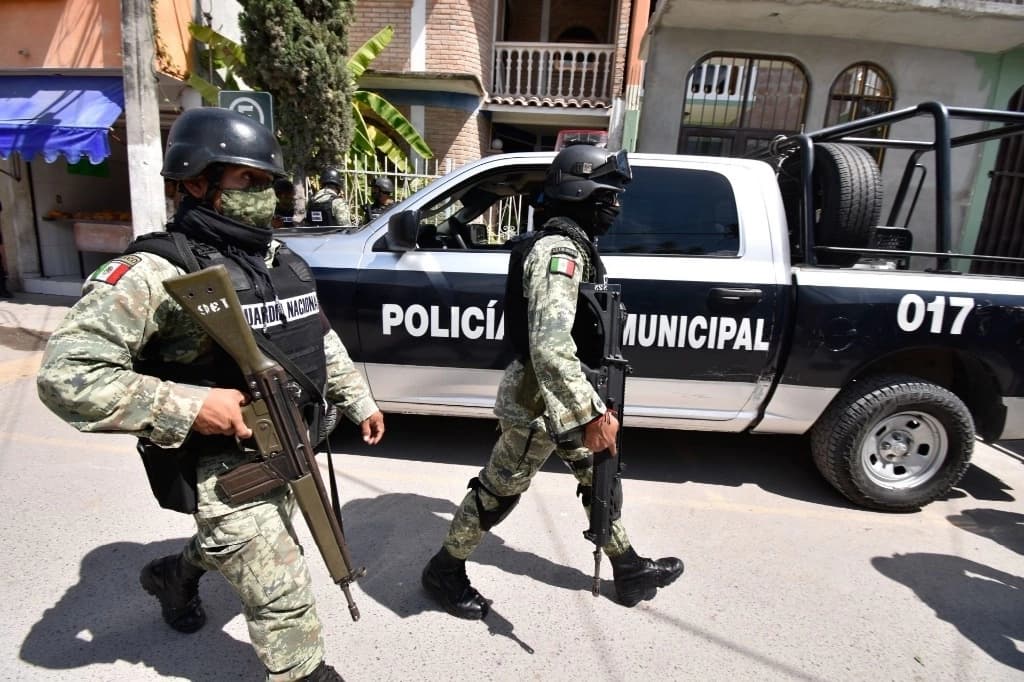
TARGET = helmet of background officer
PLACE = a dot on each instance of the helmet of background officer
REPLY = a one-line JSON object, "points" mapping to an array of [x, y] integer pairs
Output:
{"points": [[583, 183], [226, 162], [382, 190], [331, 178]]}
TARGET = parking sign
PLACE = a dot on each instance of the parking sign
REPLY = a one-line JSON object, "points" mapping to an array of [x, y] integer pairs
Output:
{"points": [[258, 106]]}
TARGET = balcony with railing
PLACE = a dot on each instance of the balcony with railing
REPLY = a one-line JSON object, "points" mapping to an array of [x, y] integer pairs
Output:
{"points": [[553, 74]]}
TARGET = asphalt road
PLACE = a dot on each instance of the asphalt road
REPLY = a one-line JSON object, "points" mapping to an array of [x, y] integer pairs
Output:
{"points": [[784, 580]]}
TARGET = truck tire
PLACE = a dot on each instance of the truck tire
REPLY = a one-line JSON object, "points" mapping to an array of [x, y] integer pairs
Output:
{"points": [[847, 190], [893, 442]]}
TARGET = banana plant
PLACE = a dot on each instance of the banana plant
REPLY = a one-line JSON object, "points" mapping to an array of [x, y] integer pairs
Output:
{"points": [[369, 138], [224, 55]]}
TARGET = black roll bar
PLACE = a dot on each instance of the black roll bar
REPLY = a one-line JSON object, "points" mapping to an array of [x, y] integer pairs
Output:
{"points": [[942, 144]]}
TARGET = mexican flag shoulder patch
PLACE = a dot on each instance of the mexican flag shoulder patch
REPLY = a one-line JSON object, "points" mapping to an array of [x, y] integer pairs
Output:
{"points": [[112, 271], [560, 265]]}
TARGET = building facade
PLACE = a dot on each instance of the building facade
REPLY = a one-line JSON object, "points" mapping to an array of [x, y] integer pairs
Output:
{"points": [[484, 76], [723, 77]]}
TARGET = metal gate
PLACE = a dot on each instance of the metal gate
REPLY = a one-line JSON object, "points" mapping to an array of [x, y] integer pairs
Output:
{"points": [[1002, 226], [737, 102]]}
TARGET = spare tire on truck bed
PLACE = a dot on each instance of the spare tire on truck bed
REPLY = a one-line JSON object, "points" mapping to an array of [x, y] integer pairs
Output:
{"points": [[847, 192]]}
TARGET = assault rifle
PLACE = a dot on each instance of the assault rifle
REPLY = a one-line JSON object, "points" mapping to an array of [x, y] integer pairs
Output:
{"points": [[278, 427], [609, 380]]}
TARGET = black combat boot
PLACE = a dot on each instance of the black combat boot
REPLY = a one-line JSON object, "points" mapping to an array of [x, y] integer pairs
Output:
{"points": [[445, 579], [638, 578], [175, 582], [324, 673]]}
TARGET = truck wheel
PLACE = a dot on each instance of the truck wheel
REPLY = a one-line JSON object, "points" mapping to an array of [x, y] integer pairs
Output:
{"points": [[893, 442], [847, 190]]}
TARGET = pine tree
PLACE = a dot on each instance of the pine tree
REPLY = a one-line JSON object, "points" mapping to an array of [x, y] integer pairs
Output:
{"points": [[297, 50]]}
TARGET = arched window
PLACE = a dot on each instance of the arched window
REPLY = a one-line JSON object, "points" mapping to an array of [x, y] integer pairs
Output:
{"points": [[737, 102], [862, 90]]}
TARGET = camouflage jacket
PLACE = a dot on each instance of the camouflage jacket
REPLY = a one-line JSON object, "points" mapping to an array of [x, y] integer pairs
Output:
{"points": [[550, 384], [87, 375], [339, 207]]}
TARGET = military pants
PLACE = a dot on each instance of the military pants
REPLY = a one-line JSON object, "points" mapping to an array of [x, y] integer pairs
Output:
{"points": [[254, 547], [517, 456]]}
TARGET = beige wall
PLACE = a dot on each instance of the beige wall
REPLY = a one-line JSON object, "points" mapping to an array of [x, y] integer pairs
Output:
{"points": [[86, 34], [81, 34], [173, 42]]}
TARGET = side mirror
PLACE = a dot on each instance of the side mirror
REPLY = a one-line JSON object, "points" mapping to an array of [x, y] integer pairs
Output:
{"points": [[403, 228]]}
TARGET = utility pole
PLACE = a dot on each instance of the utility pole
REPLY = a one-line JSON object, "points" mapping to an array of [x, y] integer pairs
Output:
{"points": [[142, 118]]}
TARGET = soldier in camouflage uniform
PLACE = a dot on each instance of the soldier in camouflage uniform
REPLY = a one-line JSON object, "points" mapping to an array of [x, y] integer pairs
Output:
{"points": [[328, 206], [128, 359], [545, 403]]}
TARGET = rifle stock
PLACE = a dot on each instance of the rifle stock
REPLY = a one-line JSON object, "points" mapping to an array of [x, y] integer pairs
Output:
{"points": [[609, 381], [279, 430]]}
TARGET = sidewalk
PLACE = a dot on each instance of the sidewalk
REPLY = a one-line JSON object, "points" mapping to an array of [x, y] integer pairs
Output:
{"points": [[26, 322]]}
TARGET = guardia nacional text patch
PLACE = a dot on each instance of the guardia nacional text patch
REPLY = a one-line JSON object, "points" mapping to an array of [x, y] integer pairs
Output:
{"points": [[111, 271]]}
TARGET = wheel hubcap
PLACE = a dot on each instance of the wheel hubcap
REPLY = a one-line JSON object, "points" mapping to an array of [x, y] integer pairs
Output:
{"points": [[904, 450]]}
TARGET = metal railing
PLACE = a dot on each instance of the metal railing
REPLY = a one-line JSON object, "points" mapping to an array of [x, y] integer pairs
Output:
{"points": [[553, 73]]}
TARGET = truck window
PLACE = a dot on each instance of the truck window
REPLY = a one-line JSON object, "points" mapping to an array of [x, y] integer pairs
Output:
{"points": [[483, 214], [675, 211]]}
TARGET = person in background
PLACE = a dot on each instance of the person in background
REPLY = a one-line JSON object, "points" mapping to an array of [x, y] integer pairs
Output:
{"points": [[284, 212], [328, 207], [545, 404], [382, 193]]}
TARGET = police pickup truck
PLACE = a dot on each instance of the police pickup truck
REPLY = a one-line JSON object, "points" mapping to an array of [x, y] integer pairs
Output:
{"points": [[762, 296]]}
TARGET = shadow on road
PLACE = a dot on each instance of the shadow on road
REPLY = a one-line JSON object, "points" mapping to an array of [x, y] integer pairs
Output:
{"points": [[778, 464], [401, 531], [107, 617], [982, 603], [1006, 528]]}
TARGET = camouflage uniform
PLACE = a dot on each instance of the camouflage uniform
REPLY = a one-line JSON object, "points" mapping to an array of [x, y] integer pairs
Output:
{"points": [[547, 394], [339, 207], [86, 378]]}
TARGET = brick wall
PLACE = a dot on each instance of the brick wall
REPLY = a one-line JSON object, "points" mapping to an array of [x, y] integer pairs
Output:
{"points": [[621, 40], [373, 15], [461, 136], [459, 37]]}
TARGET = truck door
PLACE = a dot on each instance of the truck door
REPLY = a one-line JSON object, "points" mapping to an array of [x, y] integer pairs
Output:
{"points": [[430, 321], [703, 294]]}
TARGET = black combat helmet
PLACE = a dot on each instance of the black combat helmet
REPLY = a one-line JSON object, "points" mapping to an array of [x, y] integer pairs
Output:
{"points": [[209, 135], [384, 185], [331, 176], [580, 170]]}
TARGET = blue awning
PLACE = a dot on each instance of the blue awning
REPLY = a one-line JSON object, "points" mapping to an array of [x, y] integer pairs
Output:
{"points": [[53, 115]]}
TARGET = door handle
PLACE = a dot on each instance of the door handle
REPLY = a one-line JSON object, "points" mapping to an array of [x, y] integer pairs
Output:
{"points": [[735, 297]]}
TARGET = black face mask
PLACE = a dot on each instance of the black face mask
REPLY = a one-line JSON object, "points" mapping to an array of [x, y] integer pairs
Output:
{"points": [[604, 215]]}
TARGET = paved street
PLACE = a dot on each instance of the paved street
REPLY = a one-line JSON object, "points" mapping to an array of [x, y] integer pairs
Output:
{"points": [[784, 580]]}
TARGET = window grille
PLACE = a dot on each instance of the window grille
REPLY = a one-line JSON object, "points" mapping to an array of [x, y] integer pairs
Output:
{"points": [[862, 90], [737, 102]]}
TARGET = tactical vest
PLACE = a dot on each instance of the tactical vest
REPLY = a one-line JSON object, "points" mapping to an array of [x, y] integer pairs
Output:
{"points": [[320, 212], [586, 327], [296, 329], [292, 323]]}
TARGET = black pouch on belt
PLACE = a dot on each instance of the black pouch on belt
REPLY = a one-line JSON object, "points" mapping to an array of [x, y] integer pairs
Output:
{"points": [[172, 475]]}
